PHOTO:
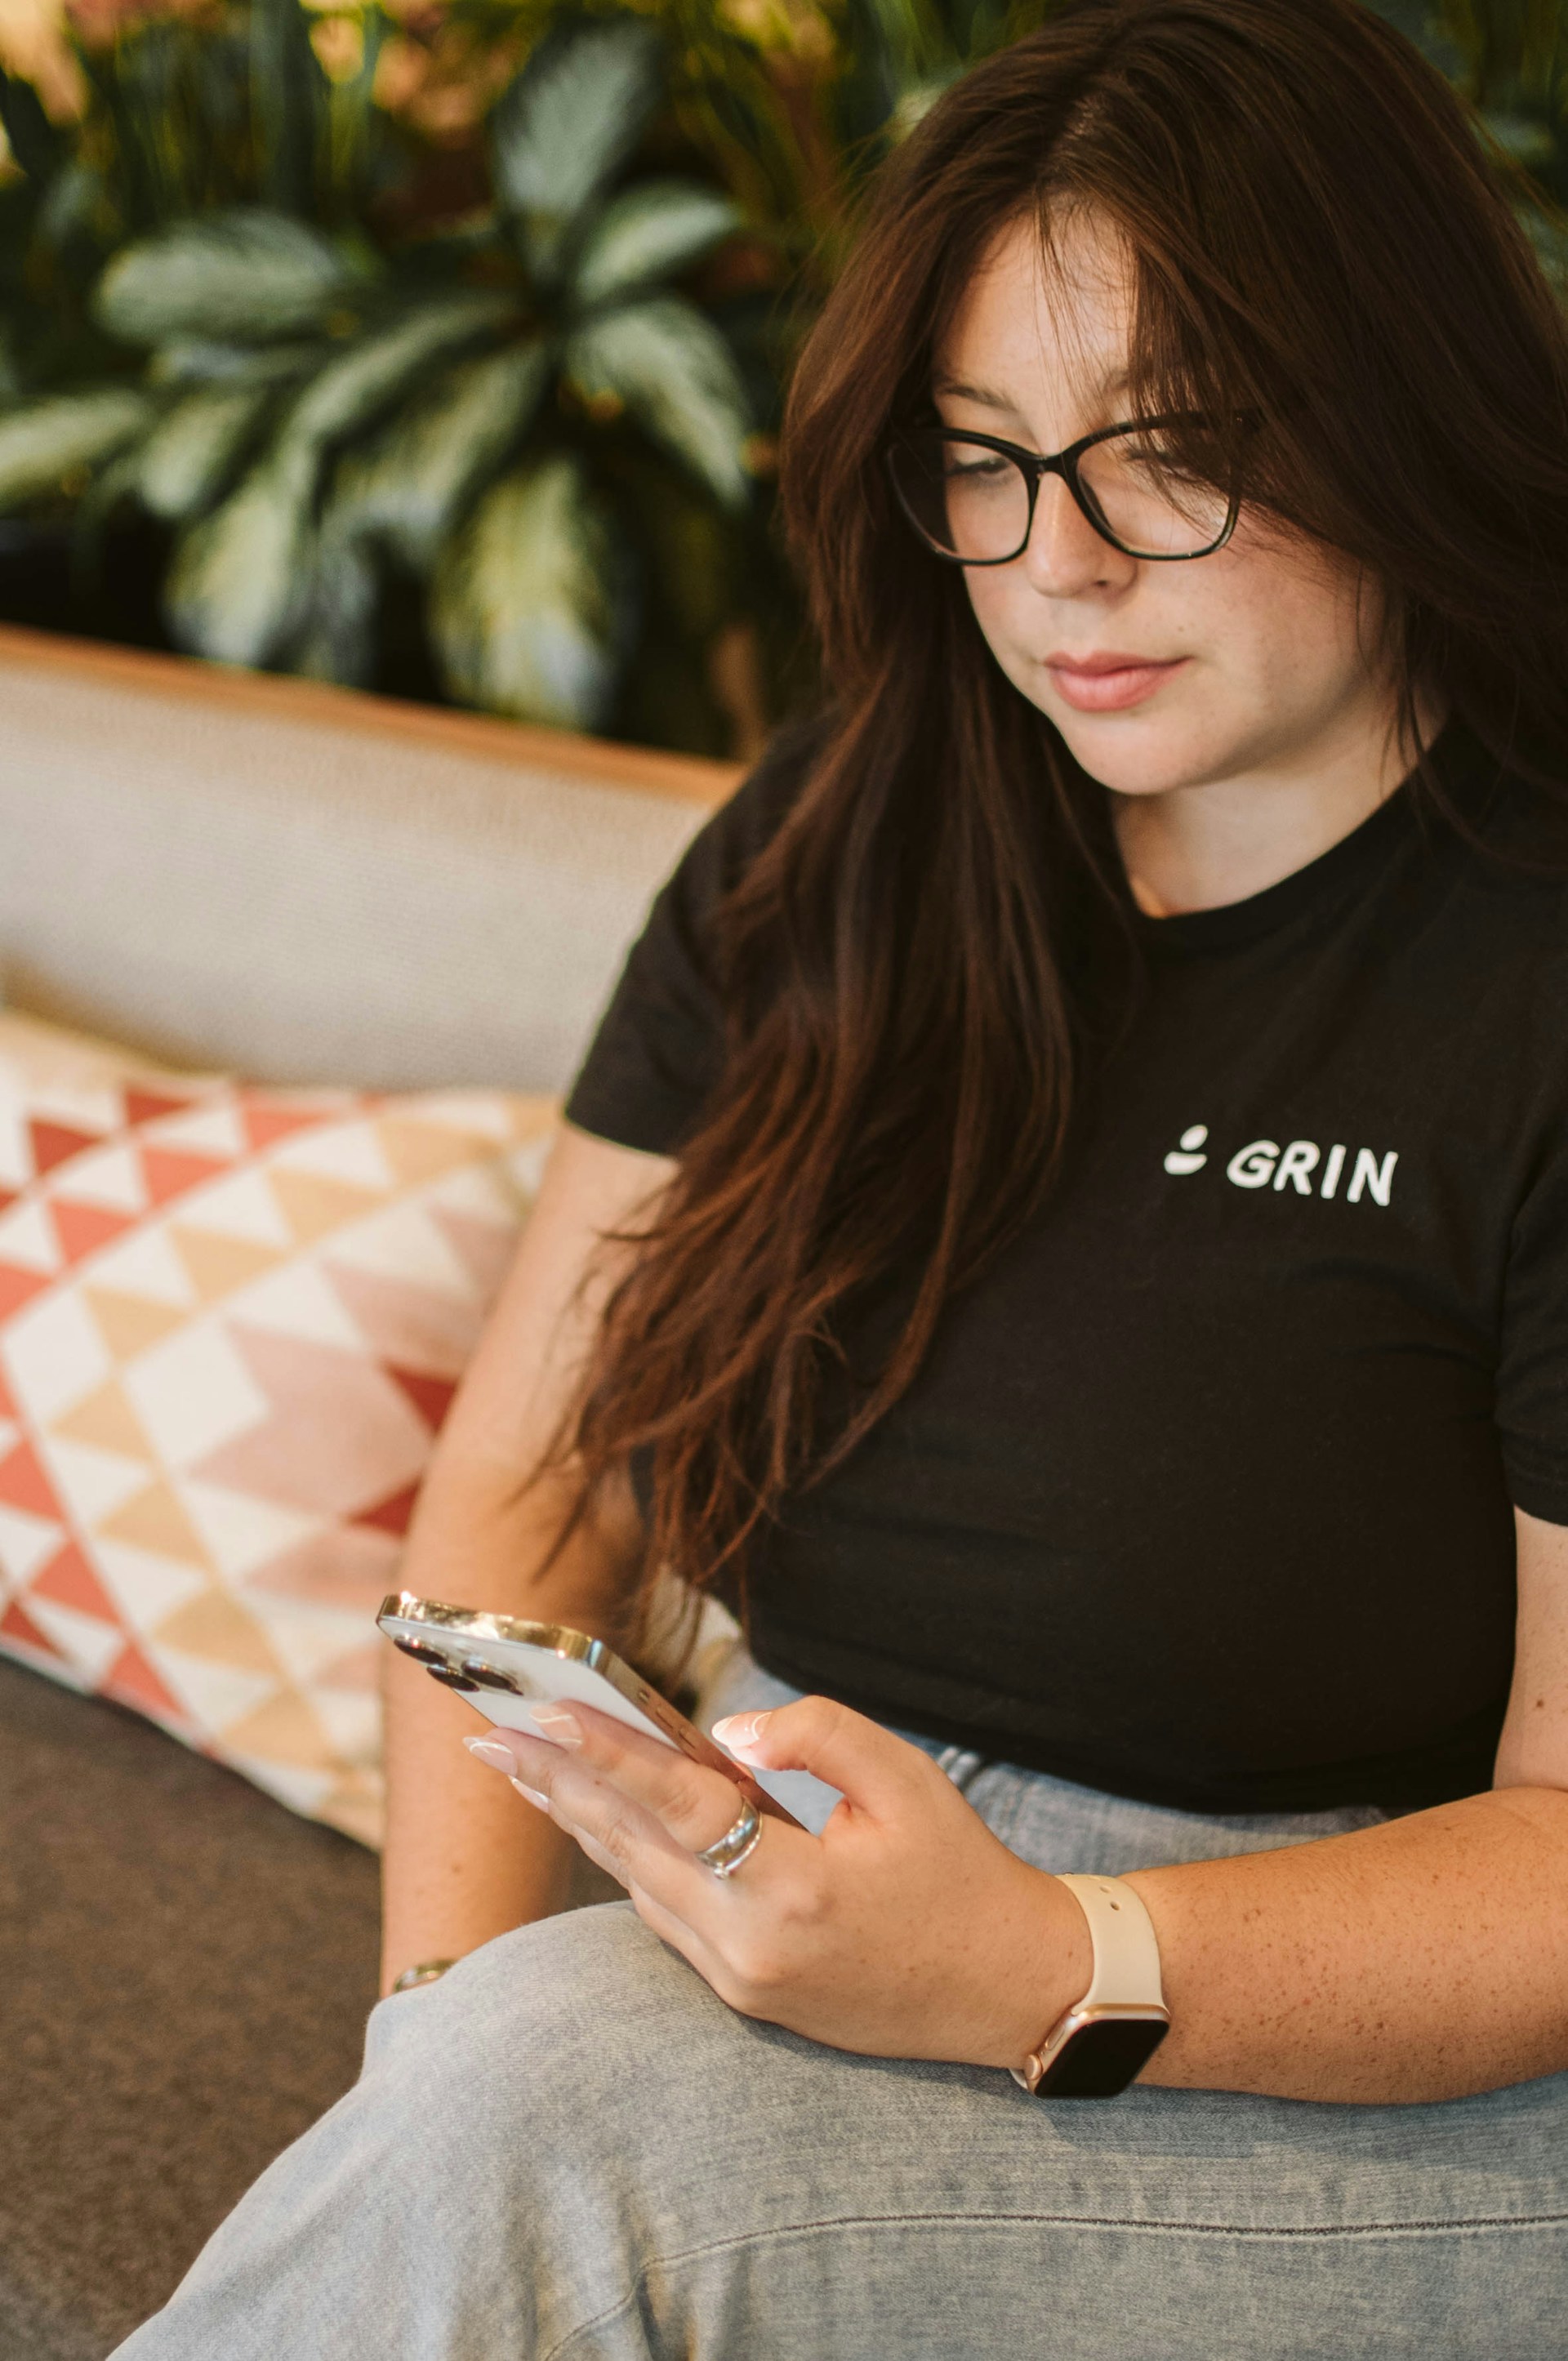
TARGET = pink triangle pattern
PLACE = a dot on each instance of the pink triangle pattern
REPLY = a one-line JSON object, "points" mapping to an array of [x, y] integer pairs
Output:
{"points": [[229, 1593]]}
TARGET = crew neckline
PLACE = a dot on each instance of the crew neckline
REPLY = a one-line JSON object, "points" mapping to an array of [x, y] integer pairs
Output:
{"points": [[1318, 882]]}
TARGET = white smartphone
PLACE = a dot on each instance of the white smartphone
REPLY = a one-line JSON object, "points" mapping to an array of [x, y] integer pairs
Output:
{"points": [[503, 1668]]}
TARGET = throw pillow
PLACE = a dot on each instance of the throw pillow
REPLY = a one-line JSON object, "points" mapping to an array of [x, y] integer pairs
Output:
{"points": [[231, 1322]]}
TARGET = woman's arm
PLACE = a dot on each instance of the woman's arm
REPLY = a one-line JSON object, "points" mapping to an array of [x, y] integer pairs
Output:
{"points": [[461, 1863], [1424, 1959]]}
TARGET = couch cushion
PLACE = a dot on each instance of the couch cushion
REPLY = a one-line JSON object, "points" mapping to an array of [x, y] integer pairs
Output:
{"points": [[311, 885], [231, 1320]]}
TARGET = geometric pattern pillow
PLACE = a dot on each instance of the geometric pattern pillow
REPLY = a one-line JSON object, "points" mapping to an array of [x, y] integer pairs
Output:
{"points": [[231, 1322]]}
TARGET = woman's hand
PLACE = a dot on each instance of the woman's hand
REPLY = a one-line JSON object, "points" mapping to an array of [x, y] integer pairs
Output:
{"points": [[905, 1930]]}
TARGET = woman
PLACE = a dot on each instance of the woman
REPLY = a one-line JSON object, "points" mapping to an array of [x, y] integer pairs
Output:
{"points": [[1084, 1140]]}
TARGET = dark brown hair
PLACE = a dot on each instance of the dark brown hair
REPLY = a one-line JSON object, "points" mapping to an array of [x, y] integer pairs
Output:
{"points": [[919, 966]]}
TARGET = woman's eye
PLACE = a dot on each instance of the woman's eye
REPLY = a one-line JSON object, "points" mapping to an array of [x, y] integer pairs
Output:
{"points": [[989, 468]]}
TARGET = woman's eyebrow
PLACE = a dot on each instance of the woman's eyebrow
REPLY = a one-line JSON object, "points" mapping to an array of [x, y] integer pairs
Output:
{"points": [[1114, 382], [950, 386]]}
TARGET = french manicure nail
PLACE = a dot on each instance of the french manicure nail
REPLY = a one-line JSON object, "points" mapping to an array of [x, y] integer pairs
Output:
{"points": [[493, 1751], [739, 1729], [559, 1724], [533, 1795]]}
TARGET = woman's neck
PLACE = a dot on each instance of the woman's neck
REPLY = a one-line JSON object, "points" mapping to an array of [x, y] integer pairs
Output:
{"points": [[1197, 848]]}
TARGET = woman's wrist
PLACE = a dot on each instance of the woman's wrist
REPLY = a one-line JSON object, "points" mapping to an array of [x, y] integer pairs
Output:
{"points": [[1050, 1968]]}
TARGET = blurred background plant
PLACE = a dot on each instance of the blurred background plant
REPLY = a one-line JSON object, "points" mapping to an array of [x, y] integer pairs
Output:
{"points": [[438, 345], [1510, 60]]}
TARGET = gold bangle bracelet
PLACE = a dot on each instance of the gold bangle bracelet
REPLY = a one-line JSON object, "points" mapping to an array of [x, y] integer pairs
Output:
{"points": [[425, 1973]]}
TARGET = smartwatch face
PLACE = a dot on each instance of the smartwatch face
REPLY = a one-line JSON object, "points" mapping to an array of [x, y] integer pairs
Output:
{"points": [[1102, 2057]]}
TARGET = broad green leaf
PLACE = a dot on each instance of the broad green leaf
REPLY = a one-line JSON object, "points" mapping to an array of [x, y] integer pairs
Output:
{"points": [[44, 443], [338, 639], [675, 374], [244, 274], [189, 457], [358, 383], [647, 232], [411, 485], [563, 129], [526, 610], [240, 580], [199, 363]]}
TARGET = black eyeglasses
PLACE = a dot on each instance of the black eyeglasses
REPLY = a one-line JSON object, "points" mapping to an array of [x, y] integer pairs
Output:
{"points": [[971, 497]]}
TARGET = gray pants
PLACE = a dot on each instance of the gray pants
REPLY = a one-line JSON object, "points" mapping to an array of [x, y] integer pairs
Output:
{"points": [[569, 2149]]}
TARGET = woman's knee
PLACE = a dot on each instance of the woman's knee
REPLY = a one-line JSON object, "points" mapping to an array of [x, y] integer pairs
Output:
{"points": [[547, 2032]]}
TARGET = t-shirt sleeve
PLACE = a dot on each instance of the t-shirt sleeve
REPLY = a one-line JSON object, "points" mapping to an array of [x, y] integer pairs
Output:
{"points": [[660, 1044], [1533, 1373]]}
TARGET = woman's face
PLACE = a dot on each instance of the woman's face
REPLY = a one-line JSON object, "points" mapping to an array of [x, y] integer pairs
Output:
{"points": [[1248, 663]]}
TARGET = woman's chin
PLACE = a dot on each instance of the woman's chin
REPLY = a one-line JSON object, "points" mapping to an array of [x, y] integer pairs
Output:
{"points": [[1138, 757]]}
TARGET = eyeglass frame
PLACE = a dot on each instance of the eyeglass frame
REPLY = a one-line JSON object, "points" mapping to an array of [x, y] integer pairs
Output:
{"points": [[1035, 469]]}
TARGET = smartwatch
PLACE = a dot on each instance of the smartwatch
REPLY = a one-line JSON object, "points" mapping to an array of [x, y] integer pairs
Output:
{"points": [[1106, 2039]]}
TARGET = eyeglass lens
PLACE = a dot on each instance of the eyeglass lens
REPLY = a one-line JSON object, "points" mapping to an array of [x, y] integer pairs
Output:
{"points": [[972, 503]]}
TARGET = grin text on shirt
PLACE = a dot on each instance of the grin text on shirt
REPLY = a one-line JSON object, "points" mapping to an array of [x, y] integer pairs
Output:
{"points": [[1302, 1165]]}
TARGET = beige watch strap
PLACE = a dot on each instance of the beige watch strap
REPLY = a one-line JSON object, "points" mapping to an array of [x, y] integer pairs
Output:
{"points": [[1126, 1949]]}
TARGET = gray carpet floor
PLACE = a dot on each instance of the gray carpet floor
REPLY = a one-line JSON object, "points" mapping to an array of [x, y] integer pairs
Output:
{"points": [[185, 1971]]}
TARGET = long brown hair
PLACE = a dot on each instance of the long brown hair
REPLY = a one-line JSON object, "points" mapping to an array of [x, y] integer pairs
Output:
{"points": [[920, 968]]}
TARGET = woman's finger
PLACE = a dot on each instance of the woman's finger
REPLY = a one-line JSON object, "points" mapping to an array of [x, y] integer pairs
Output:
{"points": [[622, 1834], [637, 1850], [598, 1855], [694, 1805], [874, 1771]]}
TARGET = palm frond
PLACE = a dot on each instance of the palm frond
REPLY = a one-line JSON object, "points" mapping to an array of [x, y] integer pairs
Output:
{"points": [[672, 370], [528, 613]]}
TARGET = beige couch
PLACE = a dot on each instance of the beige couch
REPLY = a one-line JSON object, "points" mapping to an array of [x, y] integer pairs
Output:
{"points": [[308, 885]]}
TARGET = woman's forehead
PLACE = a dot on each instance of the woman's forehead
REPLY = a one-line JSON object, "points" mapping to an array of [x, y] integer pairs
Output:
{"points": [[1046, 307]]}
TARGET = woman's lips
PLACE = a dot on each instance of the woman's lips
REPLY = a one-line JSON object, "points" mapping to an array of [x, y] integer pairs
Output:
{"points": [[1106, 683]]}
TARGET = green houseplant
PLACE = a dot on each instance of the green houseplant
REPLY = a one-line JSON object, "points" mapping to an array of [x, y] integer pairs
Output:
{"points": [[529, 416], [524, 431]]}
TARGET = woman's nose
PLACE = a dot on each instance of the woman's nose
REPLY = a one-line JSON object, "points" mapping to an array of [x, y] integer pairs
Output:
{"points": [[1064, 556]]}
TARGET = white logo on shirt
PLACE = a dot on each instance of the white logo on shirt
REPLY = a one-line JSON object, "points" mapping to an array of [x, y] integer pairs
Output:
{"points": [[1182, 1160], [1298, 1166]]}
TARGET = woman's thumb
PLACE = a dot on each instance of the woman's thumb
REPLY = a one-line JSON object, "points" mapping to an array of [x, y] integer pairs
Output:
{"points": [[845, 1750]]}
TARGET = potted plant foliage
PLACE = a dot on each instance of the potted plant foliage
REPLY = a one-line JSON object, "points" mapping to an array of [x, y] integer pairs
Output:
{"points": [[472, 390]]}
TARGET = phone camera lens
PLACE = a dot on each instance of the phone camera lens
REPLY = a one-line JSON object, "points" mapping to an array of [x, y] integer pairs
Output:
{"points": [[489, 1676], [420, 1650], [449, 1677]]}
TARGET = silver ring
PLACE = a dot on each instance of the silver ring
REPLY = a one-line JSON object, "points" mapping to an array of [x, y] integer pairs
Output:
{"points": [[738, 1843]]}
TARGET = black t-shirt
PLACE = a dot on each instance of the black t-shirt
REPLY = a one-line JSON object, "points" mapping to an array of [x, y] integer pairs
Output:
{"points": [[1204, 1493]]}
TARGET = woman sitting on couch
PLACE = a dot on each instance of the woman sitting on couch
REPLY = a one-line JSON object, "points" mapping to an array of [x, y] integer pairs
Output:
{"points": [[1083, 1149]]}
